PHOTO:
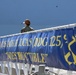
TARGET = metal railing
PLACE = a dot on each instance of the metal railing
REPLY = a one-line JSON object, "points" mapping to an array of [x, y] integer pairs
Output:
{"points": [[46, 29], [10, 68]]}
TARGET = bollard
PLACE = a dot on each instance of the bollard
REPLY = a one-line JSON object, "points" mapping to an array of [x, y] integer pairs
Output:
{"points": [[41, 70]]}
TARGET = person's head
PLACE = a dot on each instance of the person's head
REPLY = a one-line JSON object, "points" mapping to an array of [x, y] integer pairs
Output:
{"points": [[27, 22]]}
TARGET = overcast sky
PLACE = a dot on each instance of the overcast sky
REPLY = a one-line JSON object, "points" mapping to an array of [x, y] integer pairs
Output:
{"points": [[42, 14]]}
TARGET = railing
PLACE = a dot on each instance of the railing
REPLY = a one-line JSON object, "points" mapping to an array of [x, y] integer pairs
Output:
{"points": [[9, 68], [46, 29]]}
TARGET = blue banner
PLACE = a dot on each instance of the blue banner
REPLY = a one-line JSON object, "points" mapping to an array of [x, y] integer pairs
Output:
{"points": [[54, 48]]}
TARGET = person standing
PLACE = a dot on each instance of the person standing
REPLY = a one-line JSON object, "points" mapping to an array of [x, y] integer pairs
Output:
{"points": [[27, 26]]}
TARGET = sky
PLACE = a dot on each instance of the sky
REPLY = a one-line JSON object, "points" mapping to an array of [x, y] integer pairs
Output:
{"points": [[41, 13]]}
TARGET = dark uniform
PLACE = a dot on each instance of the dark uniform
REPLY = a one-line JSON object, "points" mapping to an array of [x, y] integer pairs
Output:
{"points": [[27, 27]]}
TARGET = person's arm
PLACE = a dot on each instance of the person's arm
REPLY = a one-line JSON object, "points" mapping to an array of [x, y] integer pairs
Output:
{"points": [[22, 30]]}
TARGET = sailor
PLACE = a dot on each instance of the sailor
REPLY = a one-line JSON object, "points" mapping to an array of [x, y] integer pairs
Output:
{"points": [[27, 26]]}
